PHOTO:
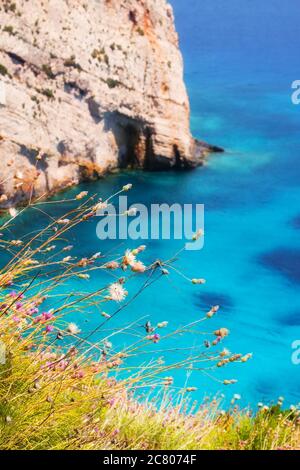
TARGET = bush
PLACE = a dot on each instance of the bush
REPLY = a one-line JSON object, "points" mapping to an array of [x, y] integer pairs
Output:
{"points": [[48, 93], [111, 83], [3, 70]]}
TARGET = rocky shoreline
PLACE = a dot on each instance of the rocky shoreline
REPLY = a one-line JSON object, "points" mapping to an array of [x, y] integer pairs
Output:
{"points": [[87, 88]]}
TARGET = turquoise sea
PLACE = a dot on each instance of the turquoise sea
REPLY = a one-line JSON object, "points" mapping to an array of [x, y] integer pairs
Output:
{"points": [[240, 60]]}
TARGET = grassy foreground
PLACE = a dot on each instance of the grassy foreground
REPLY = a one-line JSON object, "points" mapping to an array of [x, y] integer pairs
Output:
{"points": [[59, 388]]}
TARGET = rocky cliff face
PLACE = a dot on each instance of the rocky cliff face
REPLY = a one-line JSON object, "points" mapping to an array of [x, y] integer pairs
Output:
{"points": [[88, 86]]}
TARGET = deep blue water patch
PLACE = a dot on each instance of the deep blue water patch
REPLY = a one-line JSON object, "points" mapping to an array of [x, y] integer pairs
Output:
{"points": [[283, 260], [208, 299], [290, 318], [295, 222]]}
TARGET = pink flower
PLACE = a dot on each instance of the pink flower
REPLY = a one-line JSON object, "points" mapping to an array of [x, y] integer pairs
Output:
{"points": [[49, 328], [47, 316]]}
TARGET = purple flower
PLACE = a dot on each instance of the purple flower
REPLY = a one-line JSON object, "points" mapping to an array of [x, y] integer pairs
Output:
{"points": [[47, 316], [49, 328], [33, 310], [19, 305], [156, 338]]}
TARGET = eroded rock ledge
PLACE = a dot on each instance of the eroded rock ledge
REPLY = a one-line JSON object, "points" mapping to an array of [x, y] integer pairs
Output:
{"points": [[87, 87]]}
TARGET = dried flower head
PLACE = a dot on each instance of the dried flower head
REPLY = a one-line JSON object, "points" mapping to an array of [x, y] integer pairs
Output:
{"points": [[222, 332], [198, 281], [138, 267], [73, 329], [117, 292], [81, 195]]}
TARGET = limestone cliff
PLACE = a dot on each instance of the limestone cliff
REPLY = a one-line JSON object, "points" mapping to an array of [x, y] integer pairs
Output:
{"points": [[88, 86]]}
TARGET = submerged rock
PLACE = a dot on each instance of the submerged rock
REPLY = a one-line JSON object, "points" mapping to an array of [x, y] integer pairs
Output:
{"points": [[88, 87]]}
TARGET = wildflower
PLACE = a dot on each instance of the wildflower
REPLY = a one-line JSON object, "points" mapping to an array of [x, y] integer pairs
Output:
{"points": [[88, 216], [155, 338], [16, 242], [246, 357], [191, 389], [235, 357], [212, 311], [129, 258], [73, 329], [127, 187], [224, 353], [101, 206], [81, 195], [112, 265], [8, 419], [16, 319], [50, 248], [68, 248], [30, 262], [260, 404], [265, 408], [117, 292], [216, 341], [14, 294], [19, 305], [96, 255], [19, 175], [105, 315], [236, 396], [79, 374], [165, 272], [49, 328], [168, 381], [3, 198], [83, 262], [229, 382], [63, 221], [198, 234], [138, 267], [131, 212], [83, 276], [139, 249], [162, 324], [67, 259], [222, 332], [198, 281], [47, 316], [111, 402], [33, 310], [13, 212]]}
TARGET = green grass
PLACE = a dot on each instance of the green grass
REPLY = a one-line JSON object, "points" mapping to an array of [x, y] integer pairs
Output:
{"points": [[61, 389]]}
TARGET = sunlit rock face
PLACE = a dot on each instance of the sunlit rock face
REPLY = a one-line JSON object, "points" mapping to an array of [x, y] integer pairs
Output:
{"points": [[87, 87]]}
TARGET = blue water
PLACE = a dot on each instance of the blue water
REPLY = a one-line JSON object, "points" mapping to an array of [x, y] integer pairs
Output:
{"points": [[240, 60]]}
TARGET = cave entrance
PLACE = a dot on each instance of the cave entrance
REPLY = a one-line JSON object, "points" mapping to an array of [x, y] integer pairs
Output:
{"points": [[128, 150], [129, 137]]}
